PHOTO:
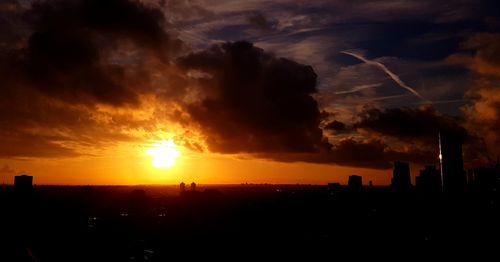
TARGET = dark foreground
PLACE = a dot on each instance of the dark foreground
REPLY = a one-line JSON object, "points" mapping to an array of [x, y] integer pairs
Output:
{"points": [[242, 221]]}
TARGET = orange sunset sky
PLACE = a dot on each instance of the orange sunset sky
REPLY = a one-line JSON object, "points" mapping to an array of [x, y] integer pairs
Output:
{"points": [[131, 166]]}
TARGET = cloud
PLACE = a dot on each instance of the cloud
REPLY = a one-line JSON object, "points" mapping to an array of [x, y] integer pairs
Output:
{"points": [[368, 153], [88, 51], [11, 29], [375, 154], [255, 102], [482, 56], [261, 22], [186, 10], [485, 59], [34, 125], [409, 124], [407, 134], [80, 76], [21, 145], [483, 115], [415, 132]]}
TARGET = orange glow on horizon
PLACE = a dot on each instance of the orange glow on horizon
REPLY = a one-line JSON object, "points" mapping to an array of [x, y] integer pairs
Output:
{"points": [[167, 161]]}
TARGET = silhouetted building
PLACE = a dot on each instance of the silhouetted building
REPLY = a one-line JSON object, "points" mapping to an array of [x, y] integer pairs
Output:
{"points": [[452, 165], [193, 186], [401, 179], [23, 183], [182, 187], [355, 183], [428, 182]]}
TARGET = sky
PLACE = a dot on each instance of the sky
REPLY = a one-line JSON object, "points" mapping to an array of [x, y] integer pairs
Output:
{"points": [[248, 91]]}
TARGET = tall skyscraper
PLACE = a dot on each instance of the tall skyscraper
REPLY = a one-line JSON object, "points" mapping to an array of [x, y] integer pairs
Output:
{"points": [[401, 179], [453, 176]]}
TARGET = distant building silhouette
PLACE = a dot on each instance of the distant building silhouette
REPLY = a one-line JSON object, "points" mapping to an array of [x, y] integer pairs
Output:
{"points": [[401, 179], [182, 187], [355, 183], [193, 186], [428, 182], [452, 165], [23, 183]]}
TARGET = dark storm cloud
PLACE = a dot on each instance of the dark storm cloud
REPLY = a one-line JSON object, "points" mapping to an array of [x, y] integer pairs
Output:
{"points": [[255, 102], [372, 153], [409, 124], [72, 47], [376, 154], [60, 61], [411, 134], [32, 125], [20, 145], [350, 152], [10, 20]]}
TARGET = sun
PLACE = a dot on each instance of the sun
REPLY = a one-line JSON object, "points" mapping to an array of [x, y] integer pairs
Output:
{"points": [[163, 153]]}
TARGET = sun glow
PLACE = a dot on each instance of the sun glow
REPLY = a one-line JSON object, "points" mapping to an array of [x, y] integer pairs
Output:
{"points": [[163, 153]]}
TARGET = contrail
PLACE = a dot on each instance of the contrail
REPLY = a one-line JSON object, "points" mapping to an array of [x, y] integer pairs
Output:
{"points": [[388, 72], [357, 88]]}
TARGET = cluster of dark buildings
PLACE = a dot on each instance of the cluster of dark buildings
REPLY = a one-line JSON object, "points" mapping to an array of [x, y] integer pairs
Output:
{"points": [[450, 179]]}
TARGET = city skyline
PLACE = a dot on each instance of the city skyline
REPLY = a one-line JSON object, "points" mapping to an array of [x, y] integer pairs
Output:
{"points": [[133, 92], [450, 178]]}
